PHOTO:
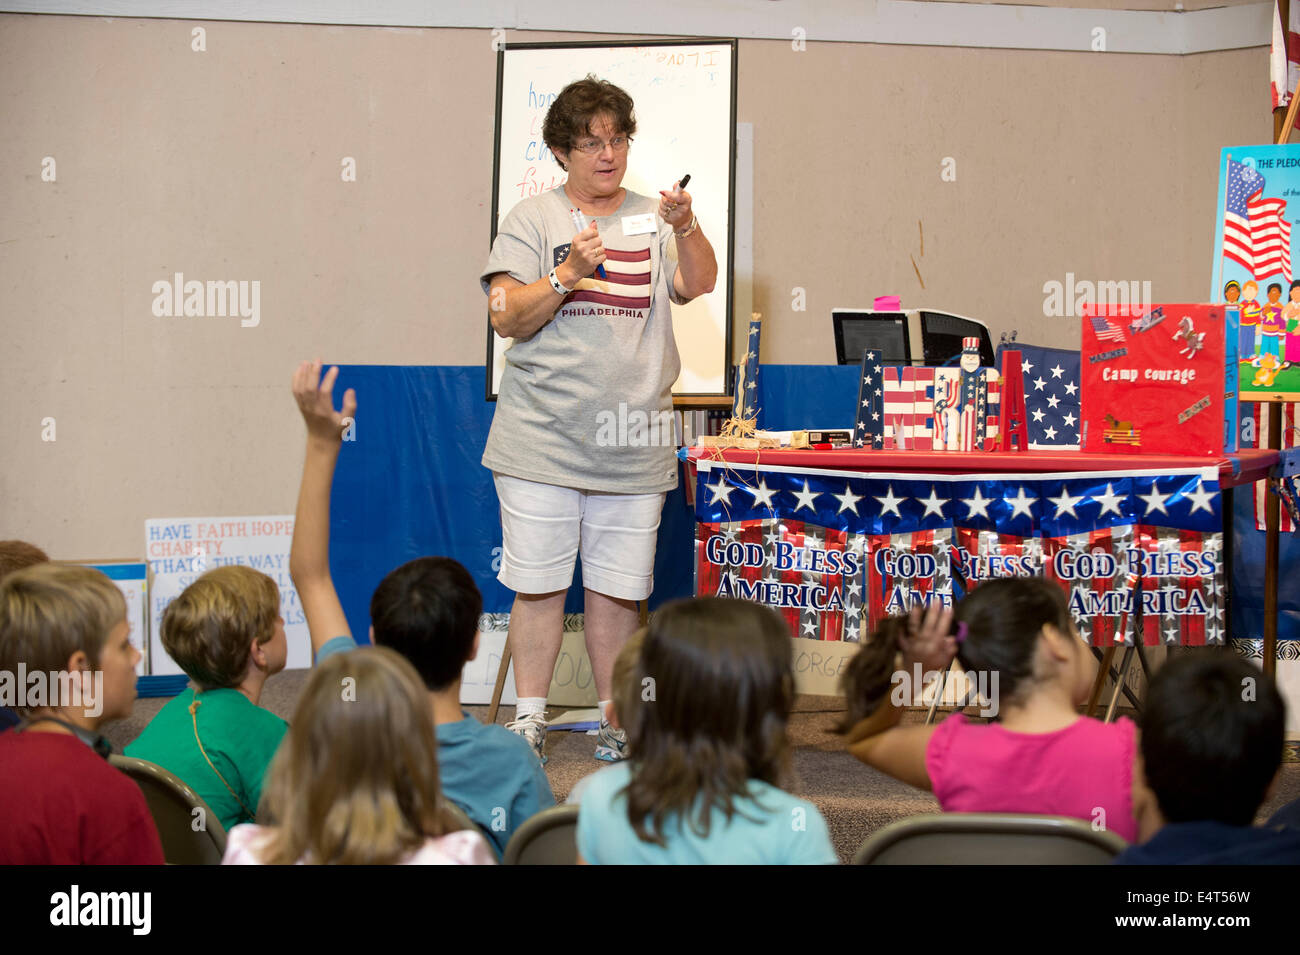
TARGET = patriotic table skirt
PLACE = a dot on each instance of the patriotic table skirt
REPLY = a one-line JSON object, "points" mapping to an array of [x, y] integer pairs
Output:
{"points": [[836, 551]]}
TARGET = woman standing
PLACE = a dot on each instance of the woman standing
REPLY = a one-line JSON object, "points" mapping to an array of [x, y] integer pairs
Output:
{"points": [[588, 309]]}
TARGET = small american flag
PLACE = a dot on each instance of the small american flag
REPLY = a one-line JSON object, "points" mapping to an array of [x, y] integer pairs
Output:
{"points": [[1256, 233], [869, 427], [746, 403], [1051, 377], [1107, 331]]}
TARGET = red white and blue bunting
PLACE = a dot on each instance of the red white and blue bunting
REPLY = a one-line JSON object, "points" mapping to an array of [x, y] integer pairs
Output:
{"points": [[836, 551]]}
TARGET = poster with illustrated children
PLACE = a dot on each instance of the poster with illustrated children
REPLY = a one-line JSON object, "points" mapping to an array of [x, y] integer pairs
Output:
{"points": [[1259, 195]]}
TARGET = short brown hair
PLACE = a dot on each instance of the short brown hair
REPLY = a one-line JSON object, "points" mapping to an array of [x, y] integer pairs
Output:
{"points": [[209, 628], [15, 555], [570, 115], [50, 611]]}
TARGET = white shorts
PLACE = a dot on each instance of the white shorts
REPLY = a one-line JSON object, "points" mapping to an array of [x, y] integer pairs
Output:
{"points": [[544, 527]]}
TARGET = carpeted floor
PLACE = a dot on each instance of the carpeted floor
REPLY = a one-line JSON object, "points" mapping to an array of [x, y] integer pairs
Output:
{"points": [[855, 799]]}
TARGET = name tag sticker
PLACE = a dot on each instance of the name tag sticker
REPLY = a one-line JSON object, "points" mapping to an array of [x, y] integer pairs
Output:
{"points": [[643, 224]]}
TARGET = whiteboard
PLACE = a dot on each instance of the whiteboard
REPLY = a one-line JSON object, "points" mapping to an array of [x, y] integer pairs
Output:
{"points": [[685, 107]]}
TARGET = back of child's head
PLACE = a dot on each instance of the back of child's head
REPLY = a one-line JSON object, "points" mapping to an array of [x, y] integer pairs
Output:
{"points": [[428, 610], [49, 612], [1212, 736], [718, 690], [210, 627], [356, 779], [17, 555], [1003, 619], [999, 624]]}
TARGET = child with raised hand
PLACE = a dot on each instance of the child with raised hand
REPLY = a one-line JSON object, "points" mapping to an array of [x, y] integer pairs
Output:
{"points": [[427, 610], [1041, 756], [356, 781], [707, 745]]}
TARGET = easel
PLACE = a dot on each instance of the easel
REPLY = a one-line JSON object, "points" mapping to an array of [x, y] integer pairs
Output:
{"points": [[1272, 515], [1283, 123]]}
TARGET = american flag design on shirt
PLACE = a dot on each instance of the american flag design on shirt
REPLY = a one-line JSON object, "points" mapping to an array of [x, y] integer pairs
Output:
{"points": [[625, 290]]}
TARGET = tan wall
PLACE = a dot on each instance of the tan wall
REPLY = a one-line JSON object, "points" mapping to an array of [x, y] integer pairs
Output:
{"points": [[225, 165]]}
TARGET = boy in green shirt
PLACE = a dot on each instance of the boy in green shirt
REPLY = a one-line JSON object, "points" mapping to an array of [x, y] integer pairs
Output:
{"points": [[225, 631]]}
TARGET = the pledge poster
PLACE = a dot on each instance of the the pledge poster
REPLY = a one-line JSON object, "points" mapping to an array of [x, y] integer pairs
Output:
{"points": [[182, 549], [834, 552]]}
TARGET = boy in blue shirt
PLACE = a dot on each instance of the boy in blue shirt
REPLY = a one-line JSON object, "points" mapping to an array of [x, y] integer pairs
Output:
{"points": [[1211, 745], [428, 611]]}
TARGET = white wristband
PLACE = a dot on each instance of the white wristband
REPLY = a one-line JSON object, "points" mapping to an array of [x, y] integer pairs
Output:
{"points": [[557, 284]]}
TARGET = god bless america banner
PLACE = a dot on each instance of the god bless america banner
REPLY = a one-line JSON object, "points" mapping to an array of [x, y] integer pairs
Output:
{"points": [[1137, 552]]}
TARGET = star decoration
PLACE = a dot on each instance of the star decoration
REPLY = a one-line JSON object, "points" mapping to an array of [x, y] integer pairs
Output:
{"points": [[1071, 388], [977, 504], [933, 504], [890, 503], [848, 500], [1039, 414], [1020, 504], [1069, 420], [1053, 401], [810, 628], [762, 493], [1200, 499], [1109, 501], [805, 498], [721, 491], [1066, 503], [1049, 434], [1155, 501], [1039, 382], [1058, 371], [1026, 366]]}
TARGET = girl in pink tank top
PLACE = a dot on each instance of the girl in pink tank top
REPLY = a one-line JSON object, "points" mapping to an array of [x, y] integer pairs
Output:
{"points": [[1015, 639]]}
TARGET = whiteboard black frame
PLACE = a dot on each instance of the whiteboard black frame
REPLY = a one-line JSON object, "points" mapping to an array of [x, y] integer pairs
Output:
{"points": [[679, 400]]}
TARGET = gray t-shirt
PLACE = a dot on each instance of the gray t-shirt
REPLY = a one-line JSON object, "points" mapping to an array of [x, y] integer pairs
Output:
{"points": [[586, 401]]}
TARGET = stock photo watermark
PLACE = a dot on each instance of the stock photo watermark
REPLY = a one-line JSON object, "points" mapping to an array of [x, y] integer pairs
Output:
{"points": [[55, 689]]}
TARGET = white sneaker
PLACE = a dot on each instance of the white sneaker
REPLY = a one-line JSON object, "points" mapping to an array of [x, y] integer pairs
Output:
{"points": [[532, 728]]}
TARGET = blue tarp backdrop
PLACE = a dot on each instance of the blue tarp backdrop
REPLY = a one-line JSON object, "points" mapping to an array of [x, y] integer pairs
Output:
{"points": [[410, 484]]}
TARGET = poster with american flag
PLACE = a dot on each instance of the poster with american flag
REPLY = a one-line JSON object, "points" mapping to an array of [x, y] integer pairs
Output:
{"points": [[835, 552], [1252, 266]]}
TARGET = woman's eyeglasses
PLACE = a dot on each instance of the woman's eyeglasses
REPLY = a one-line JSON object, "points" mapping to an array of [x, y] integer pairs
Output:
{"points": [[593, 146]]}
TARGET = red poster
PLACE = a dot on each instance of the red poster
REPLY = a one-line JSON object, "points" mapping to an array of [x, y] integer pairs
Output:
{"points": [[1153, 379]]}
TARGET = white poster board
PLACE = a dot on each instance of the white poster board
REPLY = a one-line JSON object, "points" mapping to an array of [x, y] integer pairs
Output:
{"points": [[180, 549], [684, 96]]}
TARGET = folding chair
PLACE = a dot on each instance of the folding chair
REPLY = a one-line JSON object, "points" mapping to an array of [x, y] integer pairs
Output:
{"points": [[962, 838], [548, 838], [189, 837]]}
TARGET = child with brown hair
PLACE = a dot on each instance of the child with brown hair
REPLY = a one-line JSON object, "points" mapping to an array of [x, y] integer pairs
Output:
{"points": [[356, 781], [225, 631], [63, 631], [707, 745], [1041, 756]]}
